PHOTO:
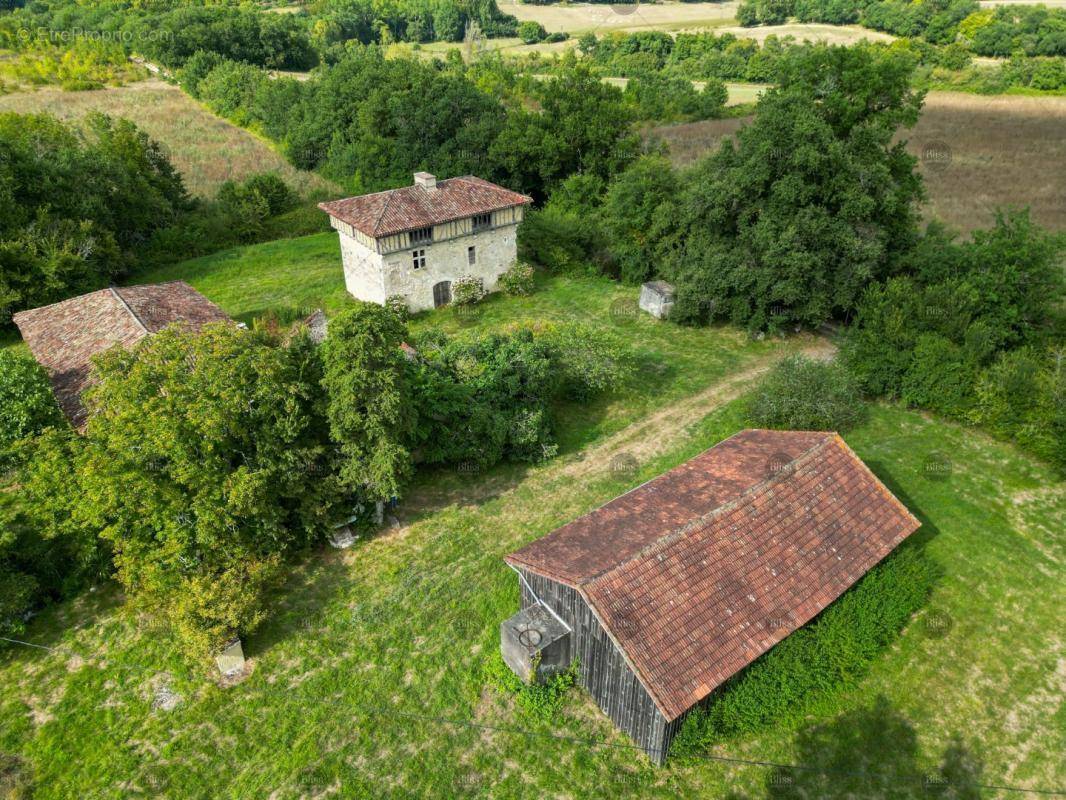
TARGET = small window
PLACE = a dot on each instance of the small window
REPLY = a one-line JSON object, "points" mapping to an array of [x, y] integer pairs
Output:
{"points": [[482, 222], [471, 256], [421, 235], [419, 258]]}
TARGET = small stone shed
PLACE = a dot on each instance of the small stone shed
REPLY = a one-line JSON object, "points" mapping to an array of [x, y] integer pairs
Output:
{"points": [[666, 592], [657, 298], [65, 336]]}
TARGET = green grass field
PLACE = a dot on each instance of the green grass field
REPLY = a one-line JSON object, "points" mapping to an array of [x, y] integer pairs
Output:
{"points": [[367, 682]]}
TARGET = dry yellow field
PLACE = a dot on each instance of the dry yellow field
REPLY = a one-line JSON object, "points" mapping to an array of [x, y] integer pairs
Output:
{"points": [[603, 18], [830, 34], [976, 154], [206, 149]]}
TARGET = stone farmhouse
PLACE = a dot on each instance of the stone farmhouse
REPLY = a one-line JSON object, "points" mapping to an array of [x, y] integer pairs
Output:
{"points": [[414, 242], [65, 336], [666, 592]]}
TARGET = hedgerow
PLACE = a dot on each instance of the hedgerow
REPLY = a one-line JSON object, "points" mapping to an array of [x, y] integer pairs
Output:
{"points": [[820, 660]]}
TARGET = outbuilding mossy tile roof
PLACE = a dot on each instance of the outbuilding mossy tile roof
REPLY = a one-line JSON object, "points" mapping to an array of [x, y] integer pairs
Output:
{"points": [[698, 572], [65, 336]]}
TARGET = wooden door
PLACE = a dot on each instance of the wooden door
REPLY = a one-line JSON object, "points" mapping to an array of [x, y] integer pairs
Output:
{"points": [[442, 294]]}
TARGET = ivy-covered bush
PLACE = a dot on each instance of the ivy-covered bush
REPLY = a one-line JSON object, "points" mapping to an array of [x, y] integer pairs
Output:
{"points": [[803, 394], [820, 660]]}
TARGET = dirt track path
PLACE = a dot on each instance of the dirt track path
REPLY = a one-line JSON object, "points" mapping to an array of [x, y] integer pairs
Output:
{"points": [[643, 440]]}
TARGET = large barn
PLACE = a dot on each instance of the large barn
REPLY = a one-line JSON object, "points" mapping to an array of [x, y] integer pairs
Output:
{"points": [[666, 592]]}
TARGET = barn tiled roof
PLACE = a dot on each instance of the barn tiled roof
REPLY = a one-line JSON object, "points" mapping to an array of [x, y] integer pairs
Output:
{"points": [[66, 335], [699, 572], [412, 207]]}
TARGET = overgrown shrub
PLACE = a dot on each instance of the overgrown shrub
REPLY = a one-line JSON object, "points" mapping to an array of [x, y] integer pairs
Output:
{"points": [[588, 361], [539, 700], [518, 280], [27, 404], [531, 32], [467, 290], [1020, 397], [250, 203], [484, 398], [820, 660], [801, 393], [397, 304]]}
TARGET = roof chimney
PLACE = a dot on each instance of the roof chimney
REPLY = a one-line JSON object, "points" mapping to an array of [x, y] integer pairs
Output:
{"points": [[426, 181]]}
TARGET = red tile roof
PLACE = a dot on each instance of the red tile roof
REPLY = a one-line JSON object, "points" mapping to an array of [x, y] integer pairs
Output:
{"points": [[697, 573], [66, 335], [412, 207]]}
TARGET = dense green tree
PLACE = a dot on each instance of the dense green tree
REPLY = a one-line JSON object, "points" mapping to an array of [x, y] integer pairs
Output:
{"points": [[278, 41], [206, 458], [943, 336], [77, 201], [812, 202], [628, 212], [370, 414], [582, 125], [27, 405], [49, 548]]}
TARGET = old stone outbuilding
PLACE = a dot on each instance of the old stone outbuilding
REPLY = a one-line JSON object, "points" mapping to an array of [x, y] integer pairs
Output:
{"points": [[65, 336]]}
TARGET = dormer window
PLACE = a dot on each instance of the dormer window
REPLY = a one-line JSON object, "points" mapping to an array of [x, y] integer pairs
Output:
{"points": [[421, 235], [482, 222]]}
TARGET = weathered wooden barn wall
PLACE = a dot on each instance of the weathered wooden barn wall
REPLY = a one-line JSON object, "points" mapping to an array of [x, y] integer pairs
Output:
{"points": [[603, 671]]}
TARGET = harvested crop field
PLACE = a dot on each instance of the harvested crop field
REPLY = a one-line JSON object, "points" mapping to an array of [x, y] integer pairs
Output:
{"points": [[830, 34], [206, 149], [603, 18], [976, 153]]}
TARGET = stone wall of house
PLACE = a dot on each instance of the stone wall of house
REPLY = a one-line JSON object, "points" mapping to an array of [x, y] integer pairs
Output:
{"points": [[494, 251], [363, 276], [373, 277]]}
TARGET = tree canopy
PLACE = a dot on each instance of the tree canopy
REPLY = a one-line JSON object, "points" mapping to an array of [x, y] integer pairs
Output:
{"points": [[812, 202]]}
